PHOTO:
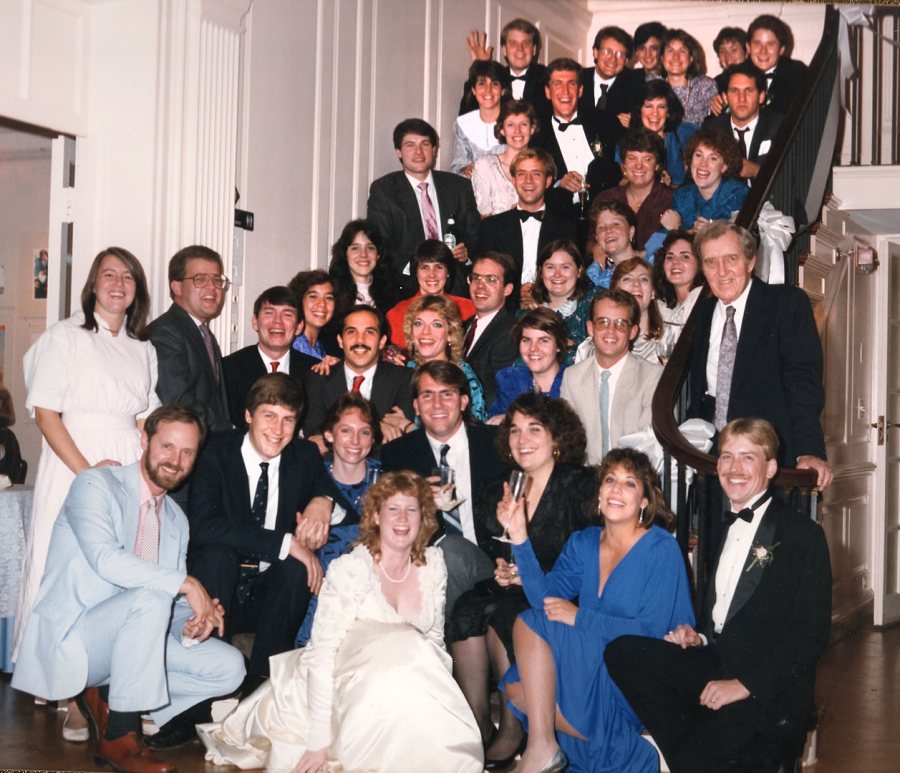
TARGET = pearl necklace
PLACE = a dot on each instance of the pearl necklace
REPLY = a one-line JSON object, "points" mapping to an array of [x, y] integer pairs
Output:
{"points": [[405, 574]]}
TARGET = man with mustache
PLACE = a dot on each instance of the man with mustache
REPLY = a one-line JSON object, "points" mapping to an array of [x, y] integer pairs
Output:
{"points": [[260, 506], [386, 386], [104, 620], [277, 319]]}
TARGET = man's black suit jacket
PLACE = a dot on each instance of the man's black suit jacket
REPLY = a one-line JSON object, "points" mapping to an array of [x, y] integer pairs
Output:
{"points": [[391, 387], [493, 350], [766, 129], [243, 367], [777, 370], [535, 81], [185, 373], [503, 233], [621, 98], [778, 623], [413, 452], [788, 84], [394, 209], [219, 505]]}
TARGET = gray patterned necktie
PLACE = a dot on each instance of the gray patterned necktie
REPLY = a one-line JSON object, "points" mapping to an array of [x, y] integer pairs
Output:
{"points": [[150, 536], [727, 350]]}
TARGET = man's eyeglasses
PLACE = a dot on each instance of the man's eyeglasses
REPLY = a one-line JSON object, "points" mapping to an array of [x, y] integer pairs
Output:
{"points": [[619, 324], [219, 281], [488, 279], [612, 52]]}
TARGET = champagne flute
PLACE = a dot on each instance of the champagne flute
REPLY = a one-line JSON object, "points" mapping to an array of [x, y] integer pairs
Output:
{"points": [[518, 480]]}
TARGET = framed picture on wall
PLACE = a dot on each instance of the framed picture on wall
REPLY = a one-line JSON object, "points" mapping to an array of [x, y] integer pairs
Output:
{"points": [[39, 274]]}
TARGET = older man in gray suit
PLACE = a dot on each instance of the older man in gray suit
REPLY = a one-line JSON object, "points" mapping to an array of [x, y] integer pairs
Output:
{"points": [[104, 613], [612, 391]]}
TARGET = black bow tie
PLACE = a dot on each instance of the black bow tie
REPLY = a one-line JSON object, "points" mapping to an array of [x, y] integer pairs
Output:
{"points": [[747, 513], [523, 215], [518, 77], [563, 125]]}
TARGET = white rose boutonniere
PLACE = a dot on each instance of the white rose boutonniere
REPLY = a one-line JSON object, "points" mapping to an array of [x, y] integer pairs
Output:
{"points": [[763, 555]]}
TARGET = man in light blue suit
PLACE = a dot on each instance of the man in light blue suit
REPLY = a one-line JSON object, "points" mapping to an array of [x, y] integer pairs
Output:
{"points": [[104, 615]]}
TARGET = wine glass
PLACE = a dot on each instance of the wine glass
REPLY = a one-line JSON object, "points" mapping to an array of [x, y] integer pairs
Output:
{"points": [[518, 480]]}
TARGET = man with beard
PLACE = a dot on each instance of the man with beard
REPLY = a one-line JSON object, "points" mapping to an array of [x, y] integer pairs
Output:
{"points": [[104, 620], [386, 386]]}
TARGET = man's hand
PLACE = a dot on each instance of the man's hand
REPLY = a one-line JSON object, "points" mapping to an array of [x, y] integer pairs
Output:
{"points": [[572, 182], [477, 44], [824, 473], [560, 610], [506, 574], [314, 522], [749, 169], [684, 636], [717, 104], [208, 613], [467, 170], [721, 692], [670, 220], [461, 253], [305, 556], [526, 299], [315, 761], [319, 440], [624, 119]]}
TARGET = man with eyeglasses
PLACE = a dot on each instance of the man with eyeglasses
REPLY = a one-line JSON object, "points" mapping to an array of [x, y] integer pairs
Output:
{"points": [[610, 88], [190, 362], [488, 346], [612, 391]]}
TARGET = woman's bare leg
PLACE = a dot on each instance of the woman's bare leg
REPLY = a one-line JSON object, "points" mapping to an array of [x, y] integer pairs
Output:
{"points": [[511, 732], [471, 671]]}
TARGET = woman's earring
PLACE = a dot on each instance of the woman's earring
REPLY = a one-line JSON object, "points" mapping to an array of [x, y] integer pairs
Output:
{"points": [[641, 518]]}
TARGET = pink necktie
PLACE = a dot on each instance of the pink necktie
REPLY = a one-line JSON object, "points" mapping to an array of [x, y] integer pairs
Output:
{"points": [[431, 226]]}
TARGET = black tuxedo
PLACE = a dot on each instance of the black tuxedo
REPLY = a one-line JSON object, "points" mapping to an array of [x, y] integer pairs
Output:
{"points": [[777, 371], [535, 81], [788, 84], [242, 369], [775, 629], [493, 350], [602, 173], [503, 233], [621, 98], [766, 130], [185, 373], [390, 387], [223, 536], [394, 208]]}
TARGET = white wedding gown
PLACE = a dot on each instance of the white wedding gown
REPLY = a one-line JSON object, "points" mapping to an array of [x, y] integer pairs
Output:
{"points": [[372, 687]]}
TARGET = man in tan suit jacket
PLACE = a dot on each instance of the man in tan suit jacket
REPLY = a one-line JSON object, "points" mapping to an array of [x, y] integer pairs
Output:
{"points": [[612, 391]]}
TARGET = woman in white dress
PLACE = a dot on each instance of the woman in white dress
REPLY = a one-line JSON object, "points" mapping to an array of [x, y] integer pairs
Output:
{"points": [[473, 132], [91, 381], [679, 285], [372, 690], [492, 181]]}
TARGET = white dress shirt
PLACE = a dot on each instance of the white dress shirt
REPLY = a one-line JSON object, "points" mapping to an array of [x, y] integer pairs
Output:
{"points": [[483, 322], [432, 194], [574, 146], [598, 92], [517, 87], [252, 461], [614, 372], [365, 389], [531, 233], [715, 335], [458, 459], [284, 362], [733, 560], [748, 137]]}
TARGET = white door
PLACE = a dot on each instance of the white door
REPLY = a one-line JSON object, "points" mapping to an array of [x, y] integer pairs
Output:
{"points": [[886, 564], [60, 232]]}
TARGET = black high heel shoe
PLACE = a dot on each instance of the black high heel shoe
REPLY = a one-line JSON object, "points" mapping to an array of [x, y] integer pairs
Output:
{"points": [[490, 764]]}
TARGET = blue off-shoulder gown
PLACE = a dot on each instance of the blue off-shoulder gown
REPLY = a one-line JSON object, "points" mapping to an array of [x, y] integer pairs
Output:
{"points": [[646, 594]]}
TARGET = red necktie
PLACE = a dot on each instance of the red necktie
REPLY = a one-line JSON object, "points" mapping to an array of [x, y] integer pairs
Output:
{"points": [[470, 336], [275, 365], [357, 383]]}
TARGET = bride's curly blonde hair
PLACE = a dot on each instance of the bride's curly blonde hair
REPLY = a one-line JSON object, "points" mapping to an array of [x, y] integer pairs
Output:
{"points": [[403, 482]]}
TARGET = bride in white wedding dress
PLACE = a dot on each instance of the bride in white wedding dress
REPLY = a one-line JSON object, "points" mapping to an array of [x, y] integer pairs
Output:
{"points": [[372, 691]]}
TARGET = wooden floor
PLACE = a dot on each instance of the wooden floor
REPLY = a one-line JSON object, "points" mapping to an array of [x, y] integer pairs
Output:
{"points": [[858, 690]]}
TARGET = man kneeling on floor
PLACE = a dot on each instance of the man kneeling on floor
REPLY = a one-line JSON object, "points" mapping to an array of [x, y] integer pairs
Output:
{"points": [[104, 622]]}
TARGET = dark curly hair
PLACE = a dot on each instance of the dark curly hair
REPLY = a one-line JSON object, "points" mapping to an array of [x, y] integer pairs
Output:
{"points": [[403, 482], [557, 417], [659, 89], [698, 58], [657, 511], [339, 269], [484, 68], [665, 291], [720, 140]]}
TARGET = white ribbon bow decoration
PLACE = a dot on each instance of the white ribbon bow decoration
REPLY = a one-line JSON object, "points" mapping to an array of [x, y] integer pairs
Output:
{"points": [[776, 231]]}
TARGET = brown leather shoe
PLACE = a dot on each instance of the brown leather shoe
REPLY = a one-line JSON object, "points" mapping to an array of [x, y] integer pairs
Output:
{"points": [[95, 709], [129, 755]]}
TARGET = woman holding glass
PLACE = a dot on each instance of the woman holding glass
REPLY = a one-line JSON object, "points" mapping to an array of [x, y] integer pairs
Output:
{"points": [[628, 577], [543, 343], [545, 439], [492, 181]]}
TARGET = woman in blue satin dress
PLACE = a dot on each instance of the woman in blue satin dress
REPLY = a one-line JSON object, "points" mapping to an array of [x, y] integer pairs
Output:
{"points": [[624, 577]]}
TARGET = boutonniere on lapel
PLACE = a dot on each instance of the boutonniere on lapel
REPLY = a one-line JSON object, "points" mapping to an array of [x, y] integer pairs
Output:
{"points": [[597, 147], [763, 555]]}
